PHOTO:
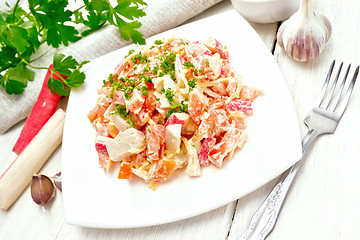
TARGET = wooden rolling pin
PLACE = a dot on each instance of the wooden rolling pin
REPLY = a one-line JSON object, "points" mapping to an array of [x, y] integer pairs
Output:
{"points": [[18, 175]]}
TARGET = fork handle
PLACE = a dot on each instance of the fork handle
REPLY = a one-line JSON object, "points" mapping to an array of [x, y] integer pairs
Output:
{"points": [[264, 219]]}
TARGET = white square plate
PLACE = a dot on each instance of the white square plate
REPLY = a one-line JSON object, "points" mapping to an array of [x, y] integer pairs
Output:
{"points": [[94, 198]]}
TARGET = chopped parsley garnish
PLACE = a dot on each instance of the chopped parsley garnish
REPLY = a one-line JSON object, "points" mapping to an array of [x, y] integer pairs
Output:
{"points": [[144, 78], [191, 66], [207, 63], [177, 108], [131, 51], [188, 65], [127, 85], [155, 69], [112, 93], [121, 110], [169, 94], [144, 90], [158, 42], [192, 84], [130, 122], [146, 69], [168, 65], [142, 58]]}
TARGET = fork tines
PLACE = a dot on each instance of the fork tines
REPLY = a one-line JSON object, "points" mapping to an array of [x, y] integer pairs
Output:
{"points": [[334, 98]]}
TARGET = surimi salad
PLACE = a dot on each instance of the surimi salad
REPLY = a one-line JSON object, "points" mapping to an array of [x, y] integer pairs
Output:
{"points": [[172, 105]]}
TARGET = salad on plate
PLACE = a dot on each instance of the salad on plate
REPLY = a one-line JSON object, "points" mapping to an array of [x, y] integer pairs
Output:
{"points": [[172, 105]]}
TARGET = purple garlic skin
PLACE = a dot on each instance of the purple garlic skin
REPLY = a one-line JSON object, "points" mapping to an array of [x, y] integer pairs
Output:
{"points": [[57, 180], [304, 35], [42, 189]]}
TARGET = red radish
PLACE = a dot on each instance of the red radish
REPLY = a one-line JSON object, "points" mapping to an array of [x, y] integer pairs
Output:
{"points": [[43, 109]]}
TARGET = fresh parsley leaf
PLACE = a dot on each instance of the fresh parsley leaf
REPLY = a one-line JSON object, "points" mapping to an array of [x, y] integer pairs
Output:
{"points": [[94, 22], [15, 79], [126, 9], [57, 86], [16, 37], [68, 67], [63, 65], [54, 17], [129, 11], [75, 79], [22, 32], [8, 58]]}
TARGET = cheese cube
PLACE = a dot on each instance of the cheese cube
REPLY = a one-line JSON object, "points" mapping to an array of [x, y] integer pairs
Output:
{"points": [[173, 138], [127, 143]]}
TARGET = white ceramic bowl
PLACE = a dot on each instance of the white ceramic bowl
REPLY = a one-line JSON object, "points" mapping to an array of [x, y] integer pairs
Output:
{"points": [[266, 11]]}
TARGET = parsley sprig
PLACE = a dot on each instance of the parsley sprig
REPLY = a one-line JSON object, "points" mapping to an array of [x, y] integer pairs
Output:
{"points": [[51, 22]]}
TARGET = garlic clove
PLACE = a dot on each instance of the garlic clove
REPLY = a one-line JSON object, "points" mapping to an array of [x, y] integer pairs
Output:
{"points": [[42, 190], [57, 180], [304, 35]]}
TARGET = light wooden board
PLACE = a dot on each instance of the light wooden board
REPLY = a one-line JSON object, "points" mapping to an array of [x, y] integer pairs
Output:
{"points": [[51, 224], [324, 200]]}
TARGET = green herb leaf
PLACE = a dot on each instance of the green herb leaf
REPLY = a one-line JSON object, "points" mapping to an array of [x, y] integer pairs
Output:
{"points": [[22, 32], [192, 84], [15, 79], [69, 67], [94, 22], [63, 65], [169, 94], [53, 17]]}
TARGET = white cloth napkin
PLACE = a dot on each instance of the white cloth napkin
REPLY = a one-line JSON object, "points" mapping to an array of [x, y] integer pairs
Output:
{"points": [[161, 15]]}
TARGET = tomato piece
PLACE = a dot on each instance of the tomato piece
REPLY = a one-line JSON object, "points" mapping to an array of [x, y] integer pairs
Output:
{"points": [[136, 102], [217, 103], [155, 140], [218, 153], [248, 93], [215, 123], [125, 170], [161, 170], [150, 103], [195, 107]]}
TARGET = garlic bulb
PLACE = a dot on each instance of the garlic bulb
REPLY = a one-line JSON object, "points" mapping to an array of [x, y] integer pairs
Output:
{"points": [[304, 35]]}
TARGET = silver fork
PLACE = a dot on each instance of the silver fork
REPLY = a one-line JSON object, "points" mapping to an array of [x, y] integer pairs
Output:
{"points": [[323, 119]]}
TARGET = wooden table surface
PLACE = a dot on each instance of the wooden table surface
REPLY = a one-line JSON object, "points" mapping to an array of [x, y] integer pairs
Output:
{"points": [[324, 201]]}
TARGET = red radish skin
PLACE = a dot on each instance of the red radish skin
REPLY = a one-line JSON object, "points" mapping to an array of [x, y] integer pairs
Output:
{"points": [[43, 109]]}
